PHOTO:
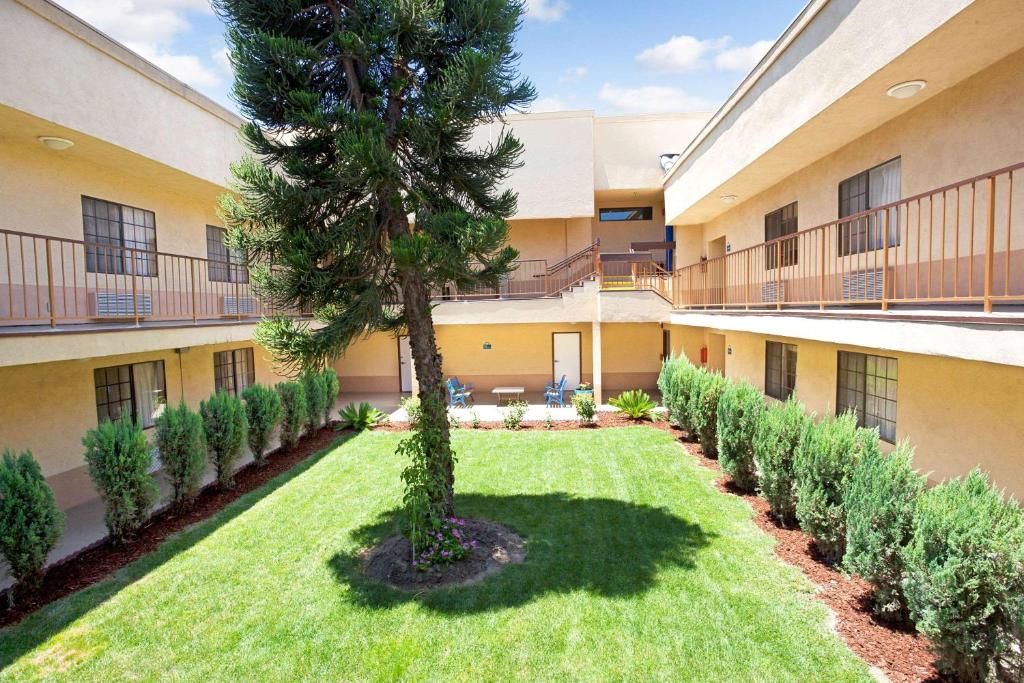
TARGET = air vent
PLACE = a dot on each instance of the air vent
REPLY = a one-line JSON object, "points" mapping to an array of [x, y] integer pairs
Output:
{"points": [[120, 305]]}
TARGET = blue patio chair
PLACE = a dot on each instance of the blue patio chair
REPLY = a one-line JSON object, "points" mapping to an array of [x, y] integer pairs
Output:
{"points": [[468, 386], [553, 393], [457, 395]]}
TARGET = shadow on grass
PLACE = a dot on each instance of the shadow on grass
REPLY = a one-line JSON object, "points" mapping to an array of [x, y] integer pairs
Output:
{"points": [[607, 547], [49, 620]]}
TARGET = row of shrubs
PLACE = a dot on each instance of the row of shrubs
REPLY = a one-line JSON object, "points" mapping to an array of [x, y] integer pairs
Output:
{"points": [[950, 558], [119, 459]]}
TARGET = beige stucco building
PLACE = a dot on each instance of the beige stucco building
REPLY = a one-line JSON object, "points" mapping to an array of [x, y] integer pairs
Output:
{"points": [[815, 235]]}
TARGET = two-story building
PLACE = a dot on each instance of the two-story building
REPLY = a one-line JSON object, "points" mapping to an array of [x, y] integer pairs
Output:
{"points": [[844, 227]]}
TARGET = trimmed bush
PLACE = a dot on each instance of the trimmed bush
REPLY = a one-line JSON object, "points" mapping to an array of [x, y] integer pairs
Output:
{"points": [[668, 385], [293, 412], [635, 404], [585, 407], [333, 389], [965, 575], [739, 409], [776, 438], [315, 386], [263, 412], [119, 459], [359, 417], [826, 458], [513, 414], [686, 376], [181, 443], [225, 427], [702, 409], [413, 409], [30, 522], [879, 523]]}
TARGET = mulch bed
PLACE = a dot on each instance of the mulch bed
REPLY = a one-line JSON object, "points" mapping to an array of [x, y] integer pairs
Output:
{"points": [[497, 547], [102, 559], [903, 656]]}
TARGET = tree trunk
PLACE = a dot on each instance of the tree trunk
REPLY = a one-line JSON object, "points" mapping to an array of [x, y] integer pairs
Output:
{"points": [[433, 398]]}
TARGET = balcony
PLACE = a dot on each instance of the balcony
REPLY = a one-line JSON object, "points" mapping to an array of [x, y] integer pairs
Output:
{"points": [[960, 246], [532, 279], [56, 283], [52, 283]]}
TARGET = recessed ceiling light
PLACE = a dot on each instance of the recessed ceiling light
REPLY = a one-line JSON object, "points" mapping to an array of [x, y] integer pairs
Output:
{"points": [[55, 143], [902, 91], [728, 198]]}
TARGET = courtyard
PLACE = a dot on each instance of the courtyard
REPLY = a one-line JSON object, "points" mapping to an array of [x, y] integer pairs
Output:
{"points": [[637, 567]]}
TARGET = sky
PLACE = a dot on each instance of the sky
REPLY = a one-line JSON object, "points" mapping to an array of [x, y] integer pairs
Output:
{"points": [[612, 56]]}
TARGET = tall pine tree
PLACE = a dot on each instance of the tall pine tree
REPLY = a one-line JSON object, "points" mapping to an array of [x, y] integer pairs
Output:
{"points": [[360, 114]]}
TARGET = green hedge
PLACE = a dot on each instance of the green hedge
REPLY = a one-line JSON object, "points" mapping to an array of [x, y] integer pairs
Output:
{"points": [[119, 460], [739, 410], [702, 409], [263, 412], [776, 438], [30, 521], [182, 445], [225, 426], [879, 522], [293, 416], [965, 575], [826, 458]]}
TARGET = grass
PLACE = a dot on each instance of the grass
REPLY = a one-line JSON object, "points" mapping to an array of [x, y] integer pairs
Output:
{"points": [[637, 569]]}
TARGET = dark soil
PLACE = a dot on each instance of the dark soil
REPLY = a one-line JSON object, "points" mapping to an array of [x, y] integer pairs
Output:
{"points": [[390, 562], [102, 559], [900, 653]]}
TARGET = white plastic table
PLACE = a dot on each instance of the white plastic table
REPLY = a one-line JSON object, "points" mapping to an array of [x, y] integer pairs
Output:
{"points": [[507, 392]]}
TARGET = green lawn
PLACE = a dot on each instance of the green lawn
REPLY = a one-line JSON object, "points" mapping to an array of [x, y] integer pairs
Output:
{"points": [[637, 569]]}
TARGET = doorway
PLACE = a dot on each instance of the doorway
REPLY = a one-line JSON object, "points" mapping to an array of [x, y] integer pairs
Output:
{"points": [[566, 352], [716, 353], [404, 365]]}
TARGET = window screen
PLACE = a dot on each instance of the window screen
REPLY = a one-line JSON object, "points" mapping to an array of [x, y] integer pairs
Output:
{"points": [[867, 384]]}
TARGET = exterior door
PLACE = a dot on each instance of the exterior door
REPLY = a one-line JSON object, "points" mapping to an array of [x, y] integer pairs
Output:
{"points": [[566, 351], [404, 364]]}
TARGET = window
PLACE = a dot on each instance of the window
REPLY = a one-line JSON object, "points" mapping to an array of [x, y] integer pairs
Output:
{"points": [[872, 188], [780, 223], [118, 239], [225, 264], [233, 370], [138, 389], [867, 384], [779, 370], [636, 213]]}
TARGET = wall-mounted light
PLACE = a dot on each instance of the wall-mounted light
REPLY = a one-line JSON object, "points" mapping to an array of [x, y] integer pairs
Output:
{"points": [[55, 143], [728, 198], [906, 89]]}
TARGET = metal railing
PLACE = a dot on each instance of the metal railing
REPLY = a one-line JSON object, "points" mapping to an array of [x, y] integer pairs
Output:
{"points": [[533, 279], [50, 280], [962, 243]]}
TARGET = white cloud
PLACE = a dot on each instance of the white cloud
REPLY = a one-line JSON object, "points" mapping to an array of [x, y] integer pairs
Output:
{"points": [[149, 27], [573, 74], [138, 21], [546, 10], [679, 54], [220, 58], [548, 104], [650, 99], [743, 58]]}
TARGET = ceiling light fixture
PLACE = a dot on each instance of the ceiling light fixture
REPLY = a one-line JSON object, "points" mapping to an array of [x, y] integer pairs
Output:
{"points": [[55, 143], [728, 198], [907, 89]]}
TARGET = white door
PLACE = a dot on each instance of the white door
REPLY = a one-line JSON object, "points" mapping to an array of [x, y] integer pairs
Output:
{"points": [[566, 349], [405, 364]]}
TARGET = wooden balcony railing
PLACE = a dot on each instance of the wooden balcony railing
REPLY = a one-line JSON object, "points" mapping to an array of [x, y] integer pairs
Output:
{"points": [[959, 244], [52, 280], [533, 279]]}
